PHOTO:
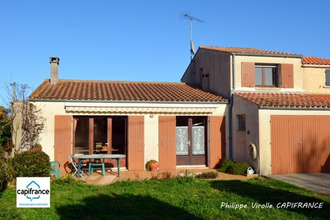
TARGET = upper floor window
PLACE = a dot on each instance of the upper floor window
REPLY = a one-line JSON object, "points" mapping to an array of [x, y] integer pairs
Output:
{"points": [[266, 75], [327, 77]]}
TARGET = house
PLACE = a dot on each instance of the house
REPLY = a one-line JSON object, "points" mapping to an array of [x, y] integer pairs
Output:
{"points": [[177, 124], [279, 106]]}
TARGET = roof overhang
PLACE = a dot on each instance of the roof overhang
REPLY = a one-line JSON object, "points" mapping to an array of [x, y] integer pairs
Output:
{"points": [[293, 108], [266, 55], [315, 65]]}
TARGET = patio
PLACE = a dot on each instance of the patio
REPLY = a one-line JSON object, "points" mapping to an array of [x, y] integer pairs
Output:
{"points": [[111, 175]]}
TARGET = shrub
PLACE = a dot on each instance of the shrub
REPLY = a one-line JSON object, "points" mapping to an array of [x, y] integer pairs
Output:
{"points": [[226, 166], [10, 171], [3, 176], [31, 164], [207, 175], [185, 173], [229, 166], [166, 175], [240, 168]]}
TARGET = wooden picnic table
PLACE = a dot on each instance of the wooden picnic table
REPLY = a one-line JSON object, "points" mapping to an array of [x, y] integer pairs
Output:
{"points": [[99, 157]]}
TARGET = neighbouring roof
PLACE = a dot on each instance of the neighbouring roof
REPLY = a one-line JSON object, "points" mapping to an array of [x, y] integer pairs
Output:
{"points": [[315, 61], [289, 100], [249, 51], [122, 91]]}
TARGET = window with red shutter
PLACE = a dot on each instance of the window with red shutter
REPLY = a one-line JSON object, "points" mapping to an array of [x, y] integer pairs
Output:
{"points": [[287, 75], [247, 74], [267, 75]]}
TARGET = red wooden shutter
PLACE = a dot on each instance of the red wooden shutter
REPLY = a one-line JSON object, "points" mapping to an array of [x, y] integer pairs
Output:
{"points": [[63, 133], [91, 135], [109, 135], [247, 74], [287, 76], [217, 140], [135, 143], [167, 145]]}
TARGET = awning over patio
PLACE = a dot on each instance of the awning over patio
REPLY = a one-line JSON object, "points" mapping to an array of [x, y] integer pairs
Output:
{"points": [[125, 108]]}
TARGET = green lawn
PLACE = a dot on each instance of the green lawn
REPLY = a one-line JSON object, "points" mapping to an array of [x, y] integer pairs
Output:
{"points": [[177, 198]]}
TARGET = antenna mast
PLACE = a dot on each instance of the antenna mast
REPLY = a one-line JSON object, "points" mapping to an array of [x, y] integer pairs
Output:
{"points": [[191, 18], [14, 90]]}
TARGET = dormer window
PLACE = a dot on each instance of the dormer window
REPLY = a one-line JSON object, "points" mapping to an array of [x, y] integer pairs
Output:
{"points": [[266, 75]]}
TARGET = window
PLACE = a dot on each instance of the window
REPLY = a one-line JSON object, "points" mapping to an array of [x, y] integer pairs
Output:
{"points": [[266, 75], [327, 77], [240, 122], [95, 138]]}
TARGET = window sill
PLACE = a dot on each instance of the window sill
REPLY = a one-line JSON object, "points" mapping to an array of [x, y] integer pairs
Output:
{"points": [[326, 87], [268, 88]]}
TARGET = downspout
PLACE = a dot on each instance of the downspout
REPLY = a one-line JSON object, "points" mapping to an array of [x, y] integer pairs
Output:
{"points": [[232, 90]]}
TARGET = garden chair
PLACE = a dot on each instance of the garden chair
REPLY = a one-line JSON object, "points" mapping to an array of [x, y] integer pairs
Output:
{"points": [[54, 170], [75, 166], [92, 165]]}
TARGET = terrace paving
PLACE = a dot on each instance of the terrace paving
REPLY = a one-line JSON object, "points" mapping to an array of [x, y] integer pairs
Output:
{"points": [[315, 182], [111, 176]]}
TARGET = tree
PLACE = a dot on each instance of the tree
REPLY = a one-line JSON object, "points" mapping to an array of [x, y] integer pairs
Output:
{"points": [[25, 119], [32, 126], [5, 130]]}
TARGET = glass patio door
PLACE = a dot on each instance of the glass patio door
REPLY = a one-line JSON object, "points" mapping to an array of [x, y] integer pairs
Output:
{"points": [[190, 140]]}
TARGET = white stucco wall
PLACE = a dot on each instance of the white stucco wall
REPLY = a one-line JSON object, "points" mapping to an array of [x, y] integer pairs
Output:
{"points": [[217, 65], [242, 139], [265, 133], [316, 80], [151, 112], [150, 137], [297, 71], [48, 110], [259, 127]]}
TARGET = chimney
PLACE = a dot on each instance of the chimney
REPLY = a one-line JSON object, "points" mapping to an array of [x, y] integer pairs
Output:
{"points": [[54, 62]]}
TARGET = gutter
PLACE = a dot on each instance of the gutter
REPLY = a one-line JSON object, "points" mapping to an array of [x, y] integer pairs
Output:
{"points": [[257, 54], [295, 108], [315, 65], [270, 92], [269, 55], [125, 101]]}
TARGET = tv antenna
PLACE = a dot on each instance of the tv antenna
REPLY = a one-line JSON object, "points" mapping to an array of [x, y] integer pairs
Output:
{"points": [[191, 18]]}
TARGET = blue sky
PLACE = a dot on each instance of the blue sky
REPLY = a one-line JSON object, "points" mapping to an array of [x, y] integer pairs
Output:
{"points": [[147, 40]]}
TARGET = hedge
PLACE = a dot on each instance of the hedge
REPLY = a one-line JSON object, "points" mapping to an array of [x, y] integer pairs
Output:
{"points": [[31, 164]]}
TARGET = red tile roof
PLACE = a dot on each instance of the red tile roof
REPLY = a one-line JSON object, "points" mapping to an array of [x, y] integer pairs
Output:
{"points": [[248, 51], [315, 61], [287, 100], [122, 91]]}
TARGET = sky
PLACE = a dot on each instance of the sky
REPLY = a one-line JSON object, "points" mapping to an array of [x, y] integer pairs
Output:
{"points": [[146, 40]]}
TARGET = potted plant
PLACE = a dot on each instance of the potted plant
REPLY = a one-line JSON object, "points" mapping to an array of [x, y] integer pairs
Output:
{"points": [[7, 147], [36, 147], [152, 165]]}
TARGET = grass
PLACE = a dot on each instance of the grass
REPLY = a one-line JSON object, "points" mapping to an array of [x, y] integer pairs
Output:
{"points": [[176, 198]]}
